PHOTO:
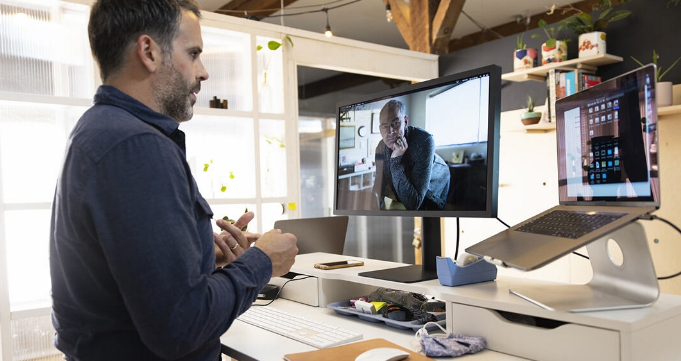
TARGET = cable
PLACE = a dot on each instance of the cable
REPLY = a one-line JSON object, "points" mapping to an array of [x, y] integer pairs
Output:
{"points": [[458, 231], [653, 217], [504, 223], [293, 14], [482, 27], [278, 292], [581, 255]]}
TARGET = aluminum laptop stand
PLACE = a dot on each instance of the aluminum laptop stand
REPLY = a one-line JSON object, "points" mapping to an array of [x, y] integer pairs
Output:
{"points": [[629, 284]]}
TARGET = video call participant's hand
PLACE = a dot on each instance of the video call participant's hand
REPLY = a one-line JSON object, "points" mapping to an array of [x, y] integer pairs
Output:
{"points": [[232, 242], [399, 146], [281, 248]]}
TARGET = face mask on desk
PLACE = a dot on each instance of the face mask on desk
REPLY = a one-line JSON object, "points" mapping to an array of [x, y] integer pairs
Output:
{"points": [[449, 345]]}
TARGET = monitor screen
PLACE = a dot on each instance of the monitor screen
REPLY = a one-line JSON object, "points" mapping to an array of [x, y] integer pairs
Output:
{"points": [[607, 144], [426, 150]]}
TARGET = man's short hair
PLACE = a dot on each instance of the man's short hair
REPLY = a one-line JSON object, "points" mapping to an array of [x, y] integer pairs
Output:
{"points": [[395, 104], [117, 24]]}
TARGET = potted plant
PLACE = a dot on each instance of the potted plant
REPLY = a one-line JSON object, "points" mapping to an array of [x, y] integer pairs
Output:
{"points": [[664, 88], [553, 50], [530, 117], [592, 31], [523, 58]]}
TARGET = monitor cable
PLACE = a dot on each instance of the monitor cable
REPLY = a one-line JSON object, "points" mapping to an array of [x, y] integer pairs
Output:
{"points": [[281, 288]]}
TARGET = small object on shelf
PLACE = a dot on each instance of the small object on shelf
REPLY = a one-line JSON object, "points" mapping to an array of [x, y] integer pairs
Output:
{"points": [[555, 52], [449, 274], [530, 116], [524, 58], [591, 44], [217, 103]]}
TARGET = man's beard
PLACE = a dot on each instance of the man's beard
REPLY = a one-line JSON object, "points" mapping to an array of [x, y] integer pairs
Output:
{"points": [[173, 94]]}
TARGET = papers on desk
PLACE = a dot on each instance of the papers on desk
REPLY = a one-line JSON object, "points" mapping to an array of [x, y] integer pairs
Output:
{"points": [[351, 351]]}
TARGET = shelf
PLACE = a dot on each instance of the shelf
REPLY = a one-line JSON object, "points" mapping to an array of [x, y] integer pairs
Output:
{"points": [[540, 127], [45, 99], [539, 73], [670, 110]]}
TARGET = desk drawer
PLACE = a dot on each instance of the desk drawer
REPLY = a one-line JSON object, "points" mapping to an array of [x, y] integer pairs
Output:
{"points": [[557, 341]]}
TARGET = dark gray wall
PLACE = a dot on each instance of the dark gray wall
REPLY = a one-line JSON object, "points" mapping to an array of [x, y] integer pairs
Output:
{"points": [[651, 26]]}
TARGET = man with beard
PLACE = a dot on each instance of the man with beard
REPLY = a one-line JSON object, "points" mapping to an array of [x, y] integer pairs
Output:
{"points": [[409, 174], [132, 253]]}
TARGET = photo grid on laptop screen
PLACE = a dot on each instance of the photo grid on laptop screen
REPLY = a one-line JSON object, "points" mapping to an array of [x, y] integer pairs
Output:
{"points": [[607, 142]]}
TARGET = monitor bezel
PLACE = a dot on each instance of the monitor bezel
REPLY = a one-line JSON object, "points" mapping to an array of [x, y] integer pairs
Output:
{"points": [[494, 115]]}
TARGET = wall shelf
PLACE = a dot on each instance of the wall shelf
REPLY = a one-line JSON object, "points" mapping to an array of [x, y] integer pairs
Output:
{"points": [[674, 109], [540, 127], [539, 73]]}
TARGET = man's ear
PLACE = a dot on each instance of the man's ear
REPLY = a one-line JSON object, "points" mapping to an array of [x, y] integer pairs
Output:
{"points": [[406, 120], [149, 53]]}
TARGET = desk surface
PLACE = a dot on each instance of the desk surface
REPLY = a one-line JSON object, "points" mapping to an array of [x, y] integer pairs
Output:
{"points": [[246, 342]]}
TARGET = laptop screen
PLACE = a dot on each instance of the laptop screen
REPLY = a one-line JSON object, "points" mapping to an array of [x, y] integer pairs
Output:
{"points": [[607, 143]]}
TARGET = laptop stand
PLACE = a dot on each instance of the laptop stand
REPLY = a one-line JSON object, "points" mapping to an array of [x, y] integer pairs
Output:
{"points": [[631, 284]]}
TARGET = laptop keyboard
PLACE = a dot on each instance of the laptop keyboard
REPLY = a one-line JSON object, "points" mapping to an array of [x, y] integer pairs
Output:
{"points": [[568, 224], [313, 333]]}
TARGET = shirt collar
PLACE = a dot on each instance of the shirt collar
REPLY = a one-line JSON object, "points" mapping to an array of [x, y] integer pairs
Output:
{"points": [[109, 95]]}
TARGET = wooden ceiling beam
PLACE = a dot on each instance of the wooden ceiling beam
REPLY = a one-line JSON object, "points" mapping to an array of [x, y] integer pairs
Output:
{"points": [[443, 24], [513, 28]]}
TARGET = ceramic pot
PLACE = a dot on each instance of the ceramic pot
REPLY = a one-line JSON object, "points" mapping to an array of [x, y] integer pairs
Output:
{"points": [[664, 94], [591, 44], [524, 59], [553, 52], [530, 118]]}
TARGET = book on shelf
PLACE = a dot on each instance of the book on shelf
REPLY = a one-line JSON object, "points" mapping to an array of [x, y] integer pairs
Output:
{"points": [[561, 83]]}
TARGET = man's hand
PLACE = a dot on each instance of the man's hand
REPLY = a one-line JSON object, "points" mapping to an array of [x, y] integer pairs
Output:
{"points": [[281, 248], [399, 147], [232, 242]]}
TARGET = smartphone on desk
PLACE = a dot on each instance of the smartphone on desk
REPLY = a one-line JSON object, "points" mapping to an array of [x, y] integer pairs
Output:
{"points": [[339, 264]]}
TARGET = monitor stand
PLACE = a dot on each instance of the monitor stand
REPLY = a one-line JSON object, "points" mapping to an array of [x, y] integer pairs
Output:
{"points": [[631, 284], [430, 250]]}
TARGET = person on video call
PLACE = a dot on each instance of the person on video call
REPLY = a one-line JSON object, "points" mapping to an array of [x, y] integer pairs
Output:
{"points": [[409, 174], [132, 253]]}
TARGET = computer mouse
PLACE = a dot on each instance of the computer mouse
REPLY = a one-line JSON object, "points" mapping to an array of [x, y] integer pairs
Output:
{"points": [[383, 354]]}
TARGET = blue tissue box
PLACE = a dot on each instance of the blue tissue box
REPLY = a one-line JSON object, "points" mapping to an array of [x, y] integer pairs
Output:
{"points": [[450, 274]]}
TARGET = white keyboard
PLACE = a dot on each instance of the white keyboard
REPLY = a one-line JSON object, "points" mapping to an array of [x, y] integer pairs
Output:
{"points": [[313, 333]]}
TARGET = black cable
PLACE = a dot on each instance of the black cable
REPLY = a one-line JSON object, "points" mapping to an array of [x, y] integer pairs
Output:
{"points": [[653, 217], [278, 292], [581, 255], [504, 223], [458, 231]]}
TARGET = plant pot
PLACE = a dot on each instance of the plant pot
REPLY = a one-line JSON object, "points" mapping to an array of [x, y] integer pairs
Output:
{"points": [[524, 59], [553, 51], [664, 94], [591, 44], [529, 118]]}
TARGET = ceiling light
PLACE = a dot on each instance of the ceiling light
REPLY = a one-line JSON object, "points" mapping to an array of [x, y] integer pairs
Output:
{"points": [[328, 32], [388, 13]]}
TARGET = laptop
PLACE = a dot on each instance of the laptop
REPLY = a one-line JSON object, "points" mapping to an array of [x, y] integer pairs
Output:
{"points": [[607, 173], [323, 234]]}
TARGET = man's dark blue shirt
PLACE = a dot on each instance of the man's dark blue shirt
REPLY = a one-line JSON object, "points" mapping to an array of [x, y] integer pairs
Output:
{"points": [[132, 258]]}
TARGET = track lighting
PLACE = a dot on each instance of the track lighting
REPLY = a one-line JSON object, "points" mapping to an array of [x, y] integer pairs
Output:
{"points": [[328, 32]]}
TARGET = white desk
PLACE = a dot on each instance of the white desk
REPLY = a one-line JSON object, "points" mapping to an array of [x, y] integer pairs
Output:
{"points": [[639, 334]]}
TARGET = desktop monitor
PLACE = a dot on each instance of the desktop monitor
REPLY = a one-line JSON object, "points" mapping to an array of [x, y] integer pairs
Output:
{"points": [[427, 150]]}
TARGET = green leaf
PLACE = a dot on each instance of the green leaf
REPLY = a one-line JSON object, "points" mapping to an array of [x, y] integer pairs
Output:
{"points": [[536, 36], [584, 18], [258, 48], [600, 25], [659, 78], [231, 175], [636, 60], [550, 43], [205, 167], [542, 23], [223, 189], [619, 15], [604, 14], [289, 40], [273, 45]]}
